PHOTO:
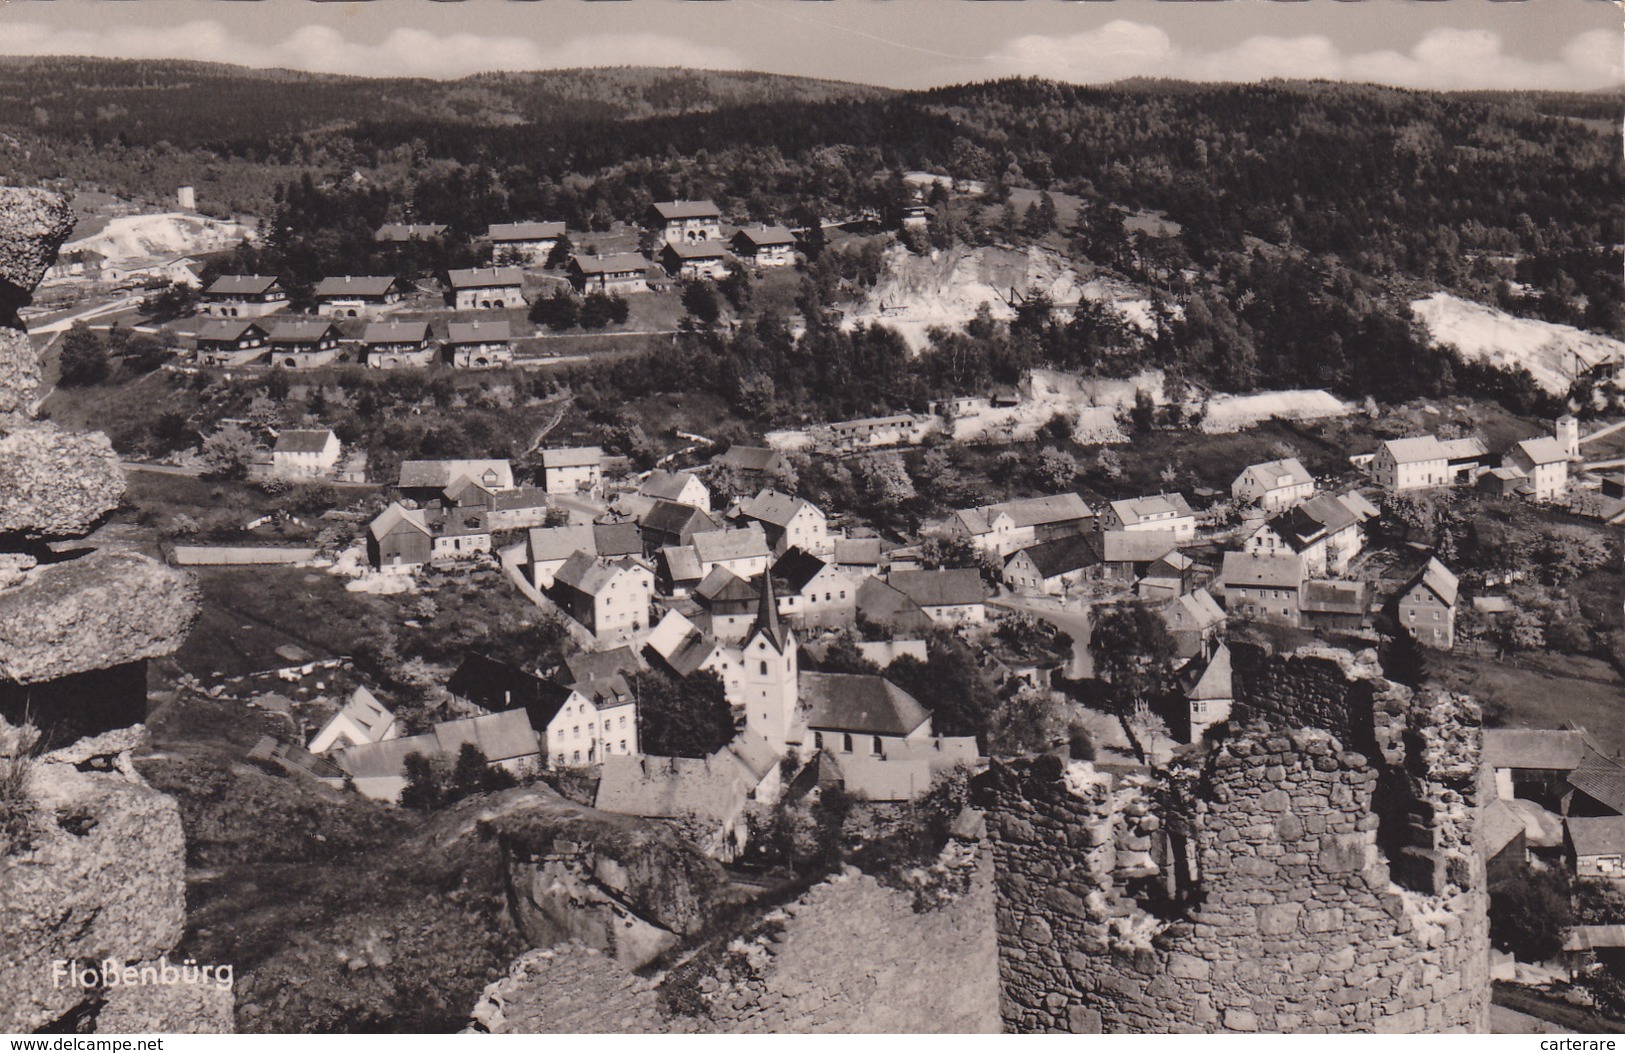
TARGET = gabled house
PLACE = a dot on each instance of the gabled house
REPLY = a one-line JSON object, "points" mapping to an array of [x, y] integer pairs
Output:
{"points": [[765, 246], [399, 539], [1263, 587], [599, 719], [1544, 463], [459, 533], [405, 233], [788, 522], [1534, 764], [243, 296], [1324, 531], [1209, 699], [1167, 577], [224, 342], [363, 719], [378, 769], [479, 345], [624, 272], [485, 288], [356, 297], [728, 604], [684, 649], [547, 549], [684, 222], [684, 488], [813, 592], [668, 524], [602, 595], [677, 570], [304, 343], [523, 243], [494, 686], [1273, 485], [883, 605], [1052, 568], [428, 480], [1427, 606], [304, 453], [592, 665], [858, 714], [1159, 512], [1126, 556], [755, 465], [861, 557], [948, 597], [745, 552], [695, 259], [1411, 464], [573, 470], [1010, 525], [1597, 844], [397, 345], [1194, 621], [1334, 606]]}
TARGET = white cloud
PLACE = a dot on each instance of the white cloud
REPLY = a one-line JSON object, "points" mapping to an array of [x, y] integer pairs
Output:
{"points": [[404, 52], [1444, 58]]}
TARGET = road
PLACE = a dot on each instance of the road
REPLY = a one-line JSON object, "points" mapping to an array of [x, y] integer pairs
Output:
{"points": [[1072, 620], [85, 314], [1573, 1017], [1602, 432]]}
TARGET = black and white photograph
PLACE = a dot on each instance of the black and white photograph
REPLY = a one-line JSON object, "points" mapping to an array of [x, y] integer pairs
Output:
{"points": [[907, 517]]}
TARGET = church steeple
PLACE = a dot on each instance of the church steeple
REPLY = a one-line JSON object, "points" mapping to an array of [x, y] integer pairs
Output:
{"points": [[769, 677], [767, 615]]}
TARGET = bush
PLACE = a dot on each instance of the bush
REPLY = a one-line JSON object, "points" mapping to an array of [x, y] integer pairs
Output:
{"points": [[1530, 913], [19, 812]]}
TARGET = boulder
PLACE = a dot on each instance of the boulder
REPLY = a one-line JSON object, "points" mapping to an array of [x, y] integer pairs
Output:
{"points": [[33, 225], [55, 483]]}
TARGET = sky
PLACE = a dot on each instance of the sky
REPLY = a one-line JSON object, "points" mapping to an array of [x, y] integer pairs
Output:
{"points": [[1456, 44]]}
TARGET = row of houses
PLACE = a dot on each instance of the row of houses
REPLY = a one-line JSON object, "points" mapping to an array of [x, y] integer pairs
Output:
{"points": [[305, 343], [1536, 468]]}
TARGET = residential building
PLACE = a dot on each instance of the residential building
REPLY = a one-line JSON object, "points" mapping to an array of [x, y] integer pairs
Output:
{"points": [[1598, 846], [728, 604], [682, 222], [695, 259], [405, 233], [459, 534], [1052, 568], [488, 684], [677, 570], [363, 719], [624, 272], [229, 342], [754, 465], [598, 720], [1544, 462], [378, 769], [1159, 512], [428, 480], [1427, 607], [885, 606], [397, 345], [1273, 485], [523, 243], [243, 296], [668, 523], [399, 539], [1333, 606], [788, 522], [573, 470], [1534, 764], [605, 596], [1209, 699], [356, 297], [1168, 576], [1194, 621], [479, 345], [814, 593], [684, 649], [1411, 464], [304, 343], [684, 488], [1010, 525], [485, 288], [862, 557], [948, 597], [745, 552], [1324, 531], [1263, 587], [1126, 556], [547, 549], [765, 246], [304, 453]]}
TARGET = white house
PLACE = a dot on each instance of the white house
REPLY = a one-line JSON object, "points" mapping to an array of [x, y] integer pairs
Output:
{"points": [[527, 242], [486, 288], [363, 719], [227, 342], [1273, 485], [1169, 512], [1326, 531], [573, 469], [683, 488], [679, 222], [744, 552], [695, 259], [1010, 525], [1052, 567], [788, 522], [948, 597], [765, 246], [243, 296], [352, 296], [304, 453], [1411, 464], [685, 649], [479, 345], [1544, 463], [599, 719], [813, 592], [378, 769], [1210, 698], [605, 596]]}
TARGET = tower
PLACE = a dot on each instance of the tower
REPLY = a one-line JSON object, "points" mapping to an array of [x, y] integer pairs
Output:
{"points": [[1567, 432], [769, 675]]}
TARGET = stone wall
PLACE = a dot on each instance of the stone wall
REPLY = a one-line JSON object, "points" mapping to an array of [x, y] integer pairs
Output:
{"points": [[1279, 881]]}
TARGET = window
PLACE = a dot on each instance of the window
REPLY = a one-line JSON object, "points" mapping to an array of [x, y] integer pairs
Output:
{"points": [[846, 743], [623, 722], [623, 745], [763, 671], [576, 731], [576, 756], [879, 747], [818, 740]]}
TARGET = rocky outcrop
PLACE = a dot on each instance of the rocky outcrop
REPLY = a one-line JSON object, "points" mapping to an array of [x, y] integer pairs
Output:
{"points": [[33, 225], [56, 484]]}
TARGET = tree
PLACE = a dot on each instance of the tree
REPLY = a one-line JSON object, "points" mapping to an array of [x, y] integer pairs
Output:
{"points": [[1056, 468], [598, 310], [169, 302], [228, 453], [701, 302], [682, 718], [423, 790], [884, 482], [558, 312], [1133, 651], [560, 254], [472, 773], [1530, 913], [950, 683], [1031, 720], [84, 360]]}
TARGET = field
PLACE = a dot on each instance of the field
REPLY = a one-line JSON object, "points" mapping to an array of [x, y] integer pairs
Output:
{"points": [[1542, 691]]}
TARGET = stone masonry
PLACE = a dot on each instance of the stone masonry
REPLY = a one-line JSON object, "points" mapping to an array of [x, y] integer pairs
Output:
{"points": [[1314, 871]]}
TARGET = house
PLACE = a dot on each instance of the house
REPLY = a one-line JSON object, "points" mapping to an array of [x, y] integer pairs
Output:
{"points": [[862, 557], [363, 719], [485, 288], [1126, 556], [1264, 587], [858, 714], [397, 345], [488, 684], [1193, 621], [243, 296], [76, 263], [227, 342], [1544, 463], [352, 297], [754, 465], [677, 570], [948, 597], [598, 720], [812, 592], [1598, 785], [479, 345], [728, 604], [573, 469], [1333, 606], [883, 605], [522, 243], [1324, 531], [1427, 607], [684, 649], [668, 523], [765, 246], [304, 343], [745, 552], [1506, 482], [459, 534], [624, 272], [712, 792], [1010, 525], [788, 522], [1503, 840], [898, 429], [404, 233], [1052, 568], [1273, 485], [1533, 764], [1597, 844], [1209, 699], [1411, 464], [1160, 512], [548, 548], [604, 596], [399, 539], [427, 480], [684, 222], [304, 453], [695, 259], [378, 769], [684, 488]]}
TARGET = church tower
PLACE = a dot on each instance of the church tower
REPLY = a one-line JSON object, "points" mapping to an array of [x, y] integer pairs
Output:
{"points": [[769, 675]]}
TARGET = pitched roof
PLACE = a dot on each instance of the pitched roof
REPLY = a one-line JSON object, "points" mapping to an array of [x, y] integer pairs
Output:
{"points": [[858, 552], [408, 231], [1045, 510], [1276, 475], [1215, 683], [1602, 835], [774, 507], [367, 713], [764, 236], [695, 250], [1278, 570], [879, 602], [1311, 521], [497, 685], [226, 329], [441, 474], [1061, 555], [859, 703], [1600, 778], [605, 692], [715, 546], [1413, 450], [702, 209], [477, 332], [572, 457], [616, 263], [682, 562], [691, 653], [714, 788], [664, 485], [1463, 448], [1136, 546], [1438, 579], [353, 285], [1133, 510], [301, 330], [617, 539], [301, 440], [1594, 938], [545, 544], [393, 516], [796, 568], [1500, 827], [1359, 507], [1194, 610], [524, 231], [1333, 597], [500, 736], [940, 588], [241, 285], [484, 277], [885, 778], [767, 618], [587, 574], [722, 585], [1543, 450], [670, 517], [393, 332], [593, 665], [1536, 749], [751, 458]]}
